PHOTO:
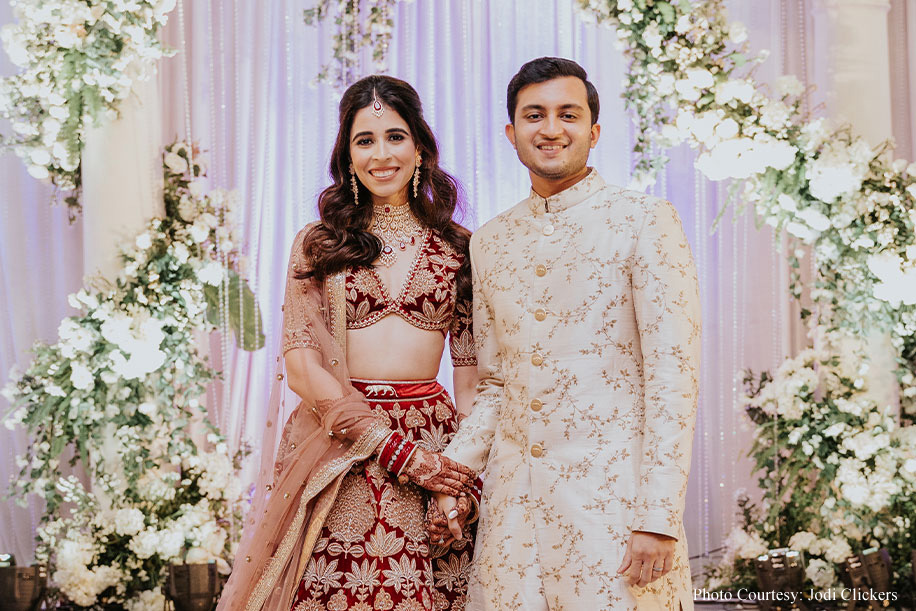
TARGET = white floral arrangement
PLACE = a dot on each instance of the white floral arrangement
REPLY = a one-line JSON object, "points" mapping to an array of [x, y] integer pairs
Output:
{"points": [[123, 387], [362, 25], [838, 473], [79, 59], [690, 80]]}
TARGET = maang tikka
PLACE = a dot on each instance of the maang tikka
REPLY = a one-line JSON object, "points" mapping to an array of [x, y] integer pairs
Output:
{"points": [[377, 109]]}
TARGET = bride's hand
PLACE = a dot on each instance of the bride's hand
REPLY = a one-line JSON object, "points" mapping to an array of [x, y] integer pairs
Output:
{"points": [[437, 473]]}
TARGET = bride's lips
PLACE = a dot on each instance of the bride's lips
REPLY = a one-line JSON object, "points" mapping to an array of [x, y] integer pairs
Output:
{"points": [[383, 174]]}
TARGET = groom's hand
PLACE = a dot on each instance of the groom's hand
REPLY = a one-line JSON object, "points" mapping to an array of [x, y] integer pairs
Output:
{"points": [[648, 557]]}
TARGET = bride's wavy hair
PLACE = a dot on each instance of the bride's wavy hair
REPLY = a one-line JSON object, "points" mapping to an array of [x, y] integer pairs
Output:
{"points": [[342, 238]]}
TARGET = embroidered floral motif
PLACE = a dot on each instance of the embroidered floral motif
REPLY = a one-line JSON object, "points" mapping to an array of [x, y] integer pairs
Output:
{"points": [[428, 300], [373, 551]]}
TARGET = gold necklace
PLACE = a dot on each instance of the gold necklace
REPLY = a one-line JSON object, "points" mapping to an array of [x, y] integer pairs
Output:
{"points": [[395, 225]]}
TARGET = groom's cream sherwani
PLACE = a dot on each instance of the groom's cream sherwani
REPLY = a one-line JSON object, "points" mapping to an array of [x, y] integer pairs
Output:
{"points": [[586, 315]]}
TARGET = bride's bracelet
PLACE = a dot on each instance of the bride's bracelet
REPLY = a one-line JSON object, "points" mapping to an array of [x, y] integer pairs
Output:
{"points": [[396, 452]]}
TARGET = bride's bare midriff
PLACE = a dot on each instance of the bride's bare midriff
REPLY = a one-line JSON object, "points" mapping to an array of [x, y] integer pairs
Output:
{"points": [[393, 349]]}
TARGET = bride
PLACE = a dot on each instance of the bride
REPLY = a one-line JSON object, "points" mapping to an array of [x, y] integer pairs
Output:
{"points": [[373, 291]]}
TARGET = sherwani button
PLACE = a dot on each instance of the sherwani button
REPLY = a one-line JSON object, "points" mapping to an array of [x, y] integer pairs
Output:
{"points": [[537, 450], [548, 229], [540, 314], [537, 360], [536, 405], [541, 270]]}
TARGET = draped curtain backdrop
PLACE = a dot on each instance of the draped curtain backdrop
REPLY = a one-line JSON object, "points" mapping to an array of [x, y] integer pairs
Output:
{"points": [[240, 87]]}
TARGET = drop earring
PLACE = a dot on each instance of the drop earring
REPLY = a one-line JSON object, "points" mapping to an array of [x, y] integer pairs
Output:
{"points": [[416, 177], [354, 186]]}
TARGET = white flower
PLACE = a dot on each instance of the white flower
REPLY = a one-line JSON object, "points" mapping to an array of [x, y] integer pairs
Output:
{"points": [[740, 90], [80, 376], [787, 203], [727, 129], [838, 170], [814, 218], [39, 172], [147, 600], [212, 273], [74, 338], [181, 253], [651, 36], [737, 33], [143, 241], [801, 541], [788, 85], [176, 163], [701, 78], [741, 544], [128, 521], [199, 232], [820, 573], [895, 285]]}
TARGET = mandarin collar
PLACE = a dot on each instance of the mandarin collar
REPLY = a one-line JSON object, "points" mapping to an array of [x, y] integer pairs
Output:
{"points": [[568, 197]]}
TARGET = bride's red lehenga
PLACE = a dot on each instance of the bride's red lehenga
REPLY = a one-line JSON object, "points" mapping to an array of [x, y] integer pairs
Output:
{"points": [[373, 551]]}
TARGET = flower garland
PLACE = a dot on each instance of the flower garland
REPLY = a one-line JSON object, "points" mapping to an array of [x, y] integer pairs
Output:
{"points": [[122, 386], [361, 24], [79, 60]]}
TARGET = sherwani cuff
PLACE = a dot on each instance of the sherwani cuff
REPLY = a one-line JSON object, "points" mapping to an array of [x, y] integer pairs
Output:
{"points": [[467, 453], [658, 521]]}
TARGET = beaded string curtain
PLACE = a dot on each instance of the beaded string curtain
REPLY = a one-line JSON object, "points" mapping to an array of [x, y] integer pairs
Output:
{"points": [[240, 85]]}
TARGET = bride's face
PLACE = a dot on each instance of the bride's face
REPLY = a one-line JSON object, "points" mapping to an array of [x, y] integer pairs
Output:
{"points": [[383, 154]]}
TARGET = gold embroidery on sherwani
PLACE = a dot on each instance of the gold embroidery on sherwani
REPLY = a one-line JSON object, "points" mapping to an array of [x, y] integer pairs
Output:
{"points": [[588, 336]]}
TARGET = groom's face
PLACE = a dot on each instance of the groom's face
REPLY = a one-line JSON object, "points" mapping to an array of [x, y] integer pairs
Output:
{"points": [[553, 130]]}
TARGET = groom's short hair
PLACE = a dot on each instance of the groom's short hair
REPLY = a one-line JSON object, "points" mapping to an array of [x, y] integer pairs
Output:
{"points": [[546, 69]]}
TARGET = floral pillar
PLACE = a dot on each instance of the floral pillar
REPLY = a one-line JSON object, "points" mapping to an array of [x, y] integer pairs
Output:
{"points": [[122, 178], [853, 57], [122, 190]]}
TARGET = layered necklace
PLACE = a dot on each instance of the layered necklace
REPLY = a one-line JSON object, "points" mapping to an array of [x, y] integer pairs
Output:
{"points": [[395, 226]]}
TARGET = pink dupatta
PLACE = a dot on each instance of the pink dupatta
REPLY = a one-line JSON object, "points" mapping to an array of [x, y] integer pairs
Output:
{"points": [[302, 466]]}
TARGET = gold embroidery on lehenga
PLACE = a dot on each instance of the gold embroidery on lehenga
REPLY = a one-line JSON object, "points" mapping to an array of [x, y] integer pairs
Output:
{"points": [[360, 450], [353, 513]]}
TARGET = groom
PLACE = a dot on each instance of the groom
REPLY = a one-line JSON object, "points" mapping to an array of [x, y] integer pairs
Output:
{"points": [[587, 321]]}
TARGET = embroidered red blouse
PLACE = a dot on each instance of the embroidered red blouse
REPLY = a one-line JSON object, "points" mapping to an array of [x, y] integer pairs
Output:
{"points": [[427, 299]]}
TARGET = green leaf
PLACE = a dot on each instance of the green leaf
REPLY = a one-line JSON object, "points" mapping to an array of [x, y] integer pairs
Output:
{"points": [[249, 333], [739, 59], [666, 11]]}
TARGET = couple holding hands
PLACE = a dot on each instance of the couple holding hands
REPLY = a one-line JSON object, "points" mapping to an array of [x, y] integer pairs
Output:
{"points": [[573, 324]]}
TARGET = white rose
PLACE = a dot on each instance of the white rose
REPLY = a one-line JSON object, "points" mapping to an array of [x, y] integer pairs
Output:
{"points": [[176, 163], [143, 241], [820, 573], [212, 273], [700, 78], [787, 203], [727, 129], [80, 376], [128, 521], [814, 218], [801, 231]]}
